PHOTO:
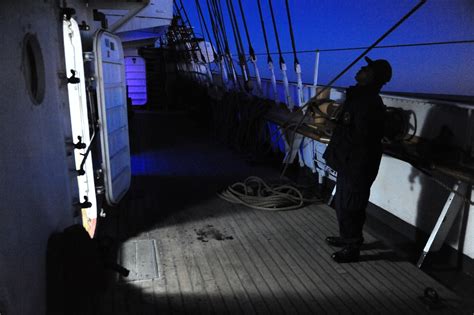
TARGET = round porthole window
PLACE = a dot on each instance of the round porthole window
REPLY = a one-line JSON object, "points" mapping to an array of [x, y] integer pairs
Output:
{"points": [[33, 67]]}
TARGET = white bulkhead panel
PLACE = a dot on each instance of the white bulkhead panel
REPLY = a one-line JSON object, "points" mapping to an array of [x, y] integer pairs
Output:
{"points": [[112, 108], [79, 113]]}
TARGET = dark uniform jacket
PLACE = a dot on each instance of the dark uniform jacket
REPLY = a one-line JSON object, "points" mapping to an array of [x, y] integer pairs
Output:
{"points": [[355, 149]]}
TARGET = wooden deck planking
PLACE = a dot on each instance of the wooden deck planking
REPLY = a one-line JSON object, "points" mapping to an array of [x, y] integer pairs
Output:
{"points": [[277, 293], [253, 267], [173, 290], [320, 255], [372, 284], [416, 282], [314, 239], [413, 276], [371, 280], [276, 263], [272, 255], [211, 288], [370, 273], [316, 292]]}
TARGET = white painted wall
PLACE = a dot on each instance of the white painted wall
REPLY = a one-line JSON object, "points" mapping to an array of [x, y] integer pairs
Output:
{"points": [[410, 195]]}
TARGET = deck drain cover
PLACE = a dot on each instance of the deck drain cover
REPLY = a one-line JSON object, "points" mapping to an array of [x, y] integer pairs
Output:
{"points": [[141, 258]]}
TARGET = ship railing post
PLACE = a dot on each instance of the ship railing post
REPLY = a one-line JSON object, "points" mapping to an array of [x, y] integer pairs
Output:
{"points": [[445, 220]]}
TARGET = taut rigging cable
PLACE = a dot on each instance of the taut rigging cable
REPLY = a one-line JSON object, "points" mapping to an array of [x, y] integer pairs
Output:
{"points": [[238, 43], [217, 38], [221, 26], [253, 58], [202, 21], [292, 36], [269, 56], [251, 51], [365, 52], [219, 45], [289, 102], [177, 36], [395, 26], [211, 79], [190, 27], [203, 60], [235, 28], [451, 42], [295, 56], [277, 37]]}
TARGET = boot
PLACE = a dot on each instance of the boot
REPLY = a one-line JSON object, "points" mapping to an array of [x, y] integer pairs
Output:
{"points": [[347, 255], [338, 241]]}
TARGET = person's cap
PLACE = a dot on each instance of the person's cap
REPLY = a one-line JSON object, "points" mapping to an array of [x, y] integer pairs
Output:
{"points": [[382, 69]]}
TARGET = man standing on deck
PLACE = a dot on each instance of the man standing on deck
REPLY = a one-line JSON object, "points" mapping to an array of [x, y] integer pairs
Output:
{"points": [[355, 152]]}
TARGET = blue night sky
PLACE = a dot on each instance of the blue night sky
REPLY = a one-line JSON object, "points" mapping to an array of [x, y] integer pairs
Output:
{"points": [[323, 24]]}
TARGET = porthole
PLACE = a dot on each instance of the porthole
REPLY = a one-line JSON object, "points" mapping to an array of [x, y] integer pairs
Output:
{"points": [[33, 68]]}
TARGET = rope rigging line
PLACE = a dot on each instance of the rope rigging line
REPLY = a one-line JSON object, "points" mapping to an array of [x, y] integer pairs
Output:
{"points": [[395, 26], [217, 38], [295, 56], [188, 24], [269, 56], [295, 140], [177, 37], [208, 68], [365, 52], [452, 42], [244, 20], [202, 22], [220, 23], [289, 101], [203, 59], [239, 52], [275, 29], [253, 58], [224, 66], [235, 28], [219, 44], [292, 36], [221, 27], [239, 44]]}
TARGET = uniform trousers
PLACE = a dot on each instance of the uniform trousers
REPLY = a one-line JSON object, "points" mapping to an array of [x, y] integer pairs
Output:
{"points": [[351, 202]]}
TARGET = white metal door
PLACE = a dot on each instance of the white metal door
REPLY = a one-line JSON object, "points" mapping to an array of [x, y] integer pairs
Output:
{"points": [[79, 117], [112, 109]]}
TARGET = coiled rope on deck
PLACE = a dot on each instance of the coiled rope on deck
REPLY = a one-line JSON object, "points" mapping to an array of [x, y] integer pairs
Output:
{"points": [[255, 193]]}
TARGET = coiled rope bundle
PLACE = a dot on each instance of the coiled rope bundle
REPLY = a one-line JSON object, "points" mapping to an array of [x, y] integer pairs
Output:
{"points": [[256, 194]]}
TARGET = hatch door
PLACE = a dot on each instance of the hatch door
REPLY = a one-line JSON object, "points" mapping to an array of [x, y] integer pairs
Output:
{"points": [[112, 109]]}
